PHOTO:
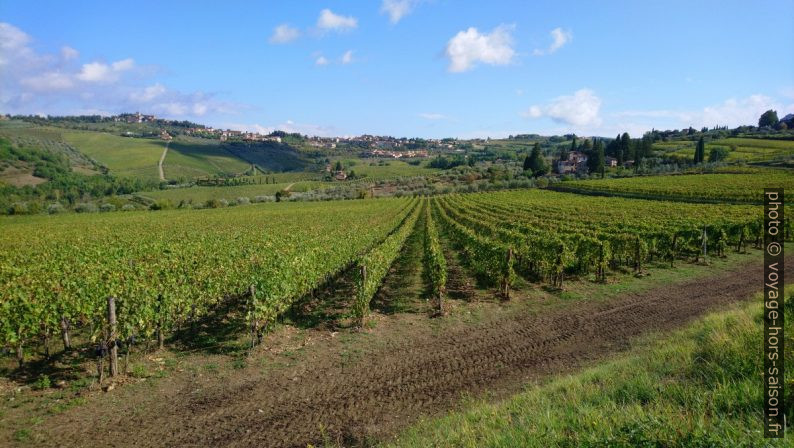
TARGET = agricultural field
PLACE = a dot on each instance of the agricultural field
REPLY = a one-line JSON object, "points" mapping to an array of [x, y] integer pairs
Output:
{"points": [[201, 194], [368, 292], [187, 158], [747, 150], [376, 169], [190, 157], [25, 135], [124, 156], [727, 188], [161, 267]]}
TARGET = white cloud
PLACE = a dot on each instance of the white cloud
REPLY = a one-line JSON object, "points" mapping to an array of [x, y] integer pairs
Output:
{"points": [[467, 48], [123, 65], [432, 116], [68, 53], [287, 126], [559, 38], [321, 60], [580, 110], [11, 37], [330, 21], [283, 34], [347, 57], [103, 73], [50, 81], [397, 9], [55, 83], [148, 93], [731, 112]]}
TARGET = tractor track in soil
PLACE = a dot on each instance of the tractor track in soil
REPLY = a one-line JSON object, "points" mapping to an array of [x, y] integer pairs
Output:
{"points": [[384, 392]]}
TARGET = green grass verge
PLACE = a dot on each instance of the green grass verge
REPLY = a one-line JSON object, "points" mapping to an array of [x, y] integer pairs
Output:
{"points": [[698, 387]]}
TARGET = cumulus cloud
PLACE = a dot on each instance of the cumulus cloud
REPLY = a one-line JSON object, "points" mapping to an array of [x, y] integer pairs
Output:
{"points": [[468, 48], [397, 9], [58, 83], [101, 72], [12, 38], [321, 60], [432, 116], [328, 21], [579, 110], [283, 34], [559, 38], [347, 57]]}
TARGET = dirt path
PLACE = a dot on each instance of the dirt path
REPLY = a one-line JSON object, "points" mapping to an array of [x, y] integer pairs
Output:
{"points": [[162, 159], [385, 391]]}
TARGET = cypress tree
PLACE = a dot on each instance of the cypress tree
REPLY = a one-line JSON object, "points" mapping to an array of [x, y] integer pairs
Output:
{"points": [[536, 162], [700, 151]]}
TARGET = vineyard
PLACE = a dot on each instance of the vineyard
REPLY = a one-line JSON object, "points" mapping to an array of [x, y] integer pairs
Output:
{"points": [[748, 150], [717, 188], [172, 268], [167, 270]]}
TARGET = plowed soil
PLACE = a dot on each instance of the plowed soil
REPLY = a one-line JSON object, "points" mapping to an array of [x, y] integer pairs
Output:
{"points": [[370, 399]]}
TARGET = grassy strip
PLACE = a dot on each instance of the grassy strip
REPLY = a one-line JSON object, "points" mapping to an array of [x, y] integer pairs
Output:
{"points": [[700, 386]]}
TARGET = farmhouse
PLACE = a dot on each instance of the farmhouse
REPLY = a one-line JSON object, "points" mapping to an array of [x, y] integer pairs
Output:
{"points": [[575, 163]]}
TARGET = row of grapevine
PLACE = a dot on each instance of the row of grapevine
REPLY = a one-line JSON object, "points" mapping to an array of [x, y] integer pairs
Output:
{"points": [[374, 266], [490, 259], [730, 188], [168, 269], [554, 233], [435, 262]]}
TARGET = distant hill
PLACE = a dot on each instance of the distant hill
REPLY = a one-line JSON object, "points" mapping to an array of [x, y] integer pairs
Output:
{"points": [[133, 150]]}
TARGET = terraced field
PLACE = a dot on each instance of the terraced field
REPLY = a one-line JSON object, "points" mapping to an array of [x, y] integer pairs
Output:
{"points": [[749, 150]]}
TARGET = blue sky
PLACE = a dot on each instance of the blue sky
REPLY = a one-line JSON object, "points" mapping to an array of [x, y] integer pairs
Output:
{"points": [[431, 68]]}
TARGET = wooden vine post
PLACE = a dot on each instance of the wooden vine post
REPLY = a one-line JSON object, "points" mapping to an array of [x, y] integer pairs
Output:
{"points": [[506, 279], [160, 332], [363, 286], [113, 351], [67, 344], [252, 313]]}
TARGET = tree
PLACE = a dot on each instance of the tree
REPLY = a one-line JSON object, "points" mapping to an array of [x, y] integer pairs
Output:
{"points": [[700, 151], [338, 166], [596, 159], [768, 118], [527, 163], [718, 154], [625, 148], [536, 162], [573, 143]]}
